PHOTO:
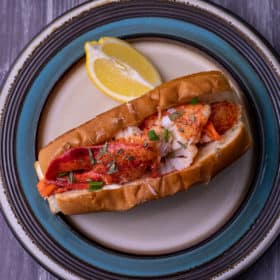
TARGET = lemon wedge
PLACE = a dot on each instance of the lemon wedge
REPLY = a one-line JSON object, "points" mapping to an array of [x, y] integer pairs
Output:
{"points": [[119, 70]]}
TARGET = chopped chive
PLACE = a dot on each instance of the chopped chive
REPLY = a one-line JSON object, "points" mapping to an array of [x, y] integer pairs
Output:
{"points": [[62, 174], [103, 150], [182, 144], [71, 177], [175, 115], [152, 135], [113, 168], [166, 134], [91, 158], [194, 101], [95, 185]]}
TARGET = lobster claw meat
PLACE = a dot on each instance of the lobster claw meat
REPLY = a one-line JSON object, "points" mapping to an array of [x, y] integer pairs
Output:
{"points": [[118, 161]]}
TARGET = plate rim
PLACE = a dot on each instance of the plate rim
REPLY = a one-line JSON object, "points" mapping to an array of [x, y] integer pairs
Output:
{"points": [[47, 27]]}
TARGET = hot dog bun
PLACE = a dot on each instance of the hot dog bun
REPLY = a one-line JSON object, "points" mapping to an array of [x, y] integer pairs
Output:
{"points": [[106, 125], [211, 158]]}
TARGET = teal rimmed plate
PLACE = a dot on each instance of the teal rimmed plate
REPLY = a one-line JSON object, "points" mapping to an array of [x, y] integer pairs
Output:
{"points": [[210, 231]]}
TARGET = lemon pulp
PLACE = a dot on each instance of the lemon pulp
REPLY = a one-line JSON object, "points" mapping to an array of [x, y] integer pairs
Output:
{"points": [[119, 70]]}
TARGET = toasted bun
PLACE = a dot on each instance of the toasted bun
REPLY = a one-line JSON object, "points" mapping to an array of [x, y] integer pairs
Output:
{"points": [[211, 159], [106, 125]]}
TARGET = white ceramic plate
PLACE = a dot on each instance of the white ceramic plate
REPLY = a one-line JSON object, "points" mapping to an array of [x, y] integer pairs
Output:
{"points": [[213, 230], [157, 227]]}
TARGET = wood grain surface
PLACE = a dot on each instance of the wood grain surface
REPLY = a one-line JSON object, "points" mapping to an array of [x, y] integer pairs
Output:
{"points": [[20, 20]]}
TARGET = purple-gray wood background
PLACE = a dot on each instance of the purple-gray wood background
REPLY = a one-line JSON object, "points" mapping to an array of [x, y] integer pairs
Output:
{"points": [[20, 20]]}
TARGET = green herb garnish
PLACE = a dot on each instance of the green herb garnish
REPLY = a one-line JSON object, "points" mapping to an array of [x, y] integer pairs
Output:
{"points": [[194, 101], [152, 135], [166, 134], [113, 168], [91, 158], [175, 115], [71, 178], [182, 144], [62, 174], [103, 150], [95, 185]]}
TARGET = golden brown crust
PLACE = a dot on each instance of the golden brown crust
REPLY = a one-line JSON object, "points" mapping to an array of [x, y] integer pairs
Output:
{"points": [[210, 160], [106, 125]]}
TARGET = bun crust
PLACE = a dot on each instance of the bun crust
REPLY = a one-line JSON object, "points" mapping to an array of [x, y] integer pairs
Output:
{"points": [[210, 159]]}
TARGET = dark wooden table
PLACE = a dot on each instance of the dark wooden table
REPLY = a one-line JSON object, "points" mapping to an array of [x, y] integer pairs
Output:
{"points": [[20, 20]]}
